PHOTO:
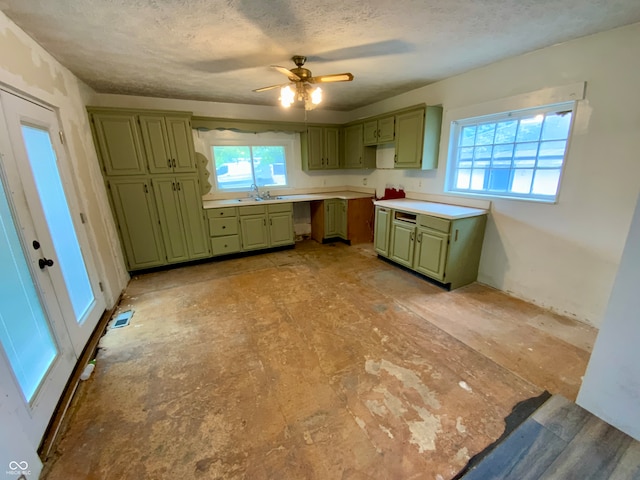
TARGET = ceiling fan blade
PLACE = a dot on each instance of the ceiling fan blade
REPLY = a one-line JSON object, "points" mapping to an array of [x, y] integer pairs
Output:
{"points": [[264, 89], [336, 77], [287, 72]]}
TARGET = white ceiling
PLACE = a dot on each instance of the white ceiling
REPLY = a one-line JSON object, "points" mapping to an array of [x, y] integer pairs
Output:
{"points": [[220, 50]]}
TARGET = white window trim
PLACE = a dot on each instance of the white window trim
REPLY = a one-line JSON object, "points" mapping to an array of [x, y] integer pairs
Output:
{"points": [[527, 101]]}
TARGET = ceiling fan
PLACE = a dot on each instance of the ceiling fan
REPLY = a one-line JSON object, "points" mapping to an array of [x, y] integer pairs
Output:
{"points": [[302, 79]]}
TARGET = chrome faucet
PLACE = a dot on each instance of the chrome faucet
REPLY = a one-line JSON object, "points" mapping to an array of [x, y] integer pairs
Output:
{"points": [[255, 191]]}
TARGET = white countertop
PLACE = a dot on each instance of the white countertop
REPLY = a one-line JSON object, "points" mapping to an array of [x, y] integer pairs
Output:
{"points": [[236, 202], [441, 210]]}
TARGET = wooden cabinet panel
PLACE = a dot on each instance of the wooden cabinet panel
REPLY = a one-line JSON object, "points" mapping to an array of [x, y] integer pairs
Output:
{"points": [[171, 223], [137, 220], [402, 242], [409, 139], [382, 230], [181, 143], [281, 229], [225, 245], [331, 147], [379, 131], [254, 231], [320, 148], [118, 143], [431, 253], [192, 216], [156, 143], [355, 154]]}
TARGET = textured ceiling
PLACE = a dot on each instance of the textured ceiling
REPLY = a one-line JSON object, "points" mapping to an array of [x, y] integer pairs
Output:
{"points": [[220, 50]]}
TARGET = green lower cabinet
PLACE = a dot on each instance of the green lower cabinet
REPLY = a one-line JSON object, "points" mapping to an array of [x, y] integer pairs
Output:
{"points": [[431, 252], [382, 230], [446, 250], [137, 220], [403, 236], [281, 229], [225, 245], [335, 218], [254, 232]]}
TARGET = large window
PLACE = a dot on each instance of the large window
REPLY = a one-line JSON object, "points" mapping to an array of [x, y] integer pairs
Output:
{"points": [[237, 167], [513, 154]]}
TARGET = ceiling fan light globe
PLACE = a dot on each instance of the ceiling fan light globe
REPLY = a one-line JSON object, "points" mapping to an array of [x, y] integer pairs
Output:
{"points": [[287, 96], [316, 96]]}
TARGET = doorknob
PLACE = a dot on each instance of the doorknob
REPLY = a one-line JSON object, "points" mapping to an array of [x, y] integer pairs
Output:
{"points": [[45, 262]]}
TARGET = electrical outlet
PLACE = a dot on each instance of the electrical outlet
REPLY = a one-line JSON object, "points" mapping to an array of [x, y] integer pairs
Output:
{"points": [[364, 181], [420, 184]]}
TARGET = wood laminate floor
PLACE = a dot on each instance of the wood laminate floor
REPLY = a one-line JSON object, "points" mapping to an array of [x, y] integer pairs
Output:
{"points": [[319, 362]]}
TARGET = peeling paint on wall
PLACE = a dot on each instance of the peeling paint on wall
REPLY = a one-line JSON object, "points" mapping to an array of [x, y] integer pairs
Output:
{"points": [[18, 59]]}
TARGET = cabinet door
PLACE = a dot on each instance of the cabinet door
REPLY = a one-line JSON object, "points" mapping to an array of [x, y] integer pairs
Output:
{"points": [[431, 253], [118, 143], [386, 129], [254, 231], [330, 218], [402, 241], [137, 221], [156, 143], [409, 139], [382, 230], [331, 147], [353, 146], [192, 216], [181, 143], [370, 132], [281, 229], [341, 219], [173, 231], [315, 148]]}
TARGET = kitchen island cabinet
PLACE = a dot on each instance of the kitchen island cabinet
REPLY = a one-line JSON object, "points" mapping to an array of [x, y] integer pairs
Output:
{"points": [[442, 242]]}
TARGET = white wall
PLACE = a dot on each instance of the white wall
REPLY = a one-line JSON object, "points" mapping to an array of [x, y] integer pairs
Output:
{"points": [[611, 387], [28, 70], [561, 256]]}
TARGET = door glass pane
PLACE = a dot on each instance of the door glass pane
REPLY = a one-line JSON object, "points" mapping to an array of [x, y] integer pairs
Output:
{"points": [[56, 211], [24, 330]]}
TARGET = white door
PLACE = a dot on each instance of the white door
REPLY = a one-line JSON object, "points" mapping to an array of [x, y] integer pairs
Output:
{"points": [[50, 300], [50, 196]]}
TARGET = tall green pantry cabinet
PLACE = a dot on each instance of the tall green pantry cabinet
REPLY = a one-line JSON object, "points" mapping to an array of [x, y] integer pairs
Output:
{"points": [[148, 163]]}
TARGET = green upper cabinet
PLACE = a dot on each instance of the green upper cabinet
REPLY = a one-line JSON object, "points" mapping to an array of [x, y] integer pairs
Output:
{"points": [[320, 148], [168, 143], [137, 219], [418, 138], [409, 138], [118, 143], [355, 154], [379, 131]]}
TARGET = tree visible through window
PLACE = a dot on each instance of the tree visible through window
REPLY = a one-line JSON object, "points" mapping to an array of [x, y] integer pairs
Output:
{"points": [[512, 154], [238, 167]]}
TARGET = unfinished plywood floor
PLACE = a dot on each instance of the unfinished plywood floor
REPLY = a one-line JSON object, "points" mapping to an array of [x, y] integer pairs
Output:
{"points": [[320, 362]]}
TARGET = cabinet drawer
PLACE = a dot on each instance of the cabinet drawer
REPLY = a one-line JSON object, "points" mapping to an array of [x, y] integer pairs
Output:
{"points": [[223, 226], [280, 207], [225, 245], [436, 223], [252, 210], [221, 212]]}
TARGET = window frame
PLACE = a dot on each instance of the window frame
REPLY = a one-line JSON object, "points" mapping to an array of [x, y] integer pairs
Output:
{"points": [[457, 126], [242, 139]]}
